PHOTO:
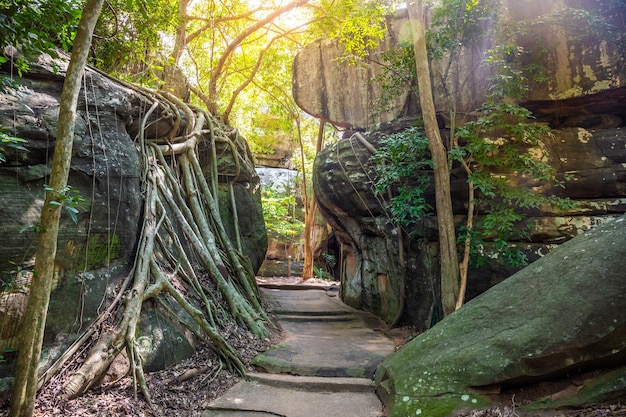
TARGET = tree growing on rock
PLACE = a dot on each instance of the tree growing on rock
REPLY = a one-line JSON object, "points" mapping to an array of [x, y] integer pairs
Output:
{"points": [[448, 256], [499, 141], [31, 337]]}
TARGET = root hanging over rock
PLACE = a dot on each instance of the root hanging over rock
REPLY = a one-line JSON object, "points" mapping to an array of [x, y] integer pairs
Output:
{"points": [[185, 261]]}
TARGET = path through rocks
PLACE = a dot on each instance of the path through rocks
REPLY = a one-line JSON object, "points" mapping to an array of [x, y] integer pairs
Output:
{"points": [[324, 366]]}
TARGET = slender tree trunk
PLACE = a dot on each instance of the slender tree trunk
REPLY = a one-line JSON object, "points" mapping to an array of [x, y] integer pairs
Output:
{"points": [[31, 335], [448, 256], [181, 31], [469, 224], [307, 270]]}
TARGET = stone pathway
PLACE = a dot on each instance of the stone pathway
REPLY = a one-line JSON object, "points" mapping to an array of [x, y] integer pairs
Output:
{"points": [[324, 366]]}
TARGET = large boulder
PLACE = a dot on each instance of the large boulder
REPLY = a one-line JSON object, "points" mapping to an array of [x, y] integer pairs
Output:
{"points": [[562, 315], [99, 249], [575, 60], [581, 101], [371, 275]]}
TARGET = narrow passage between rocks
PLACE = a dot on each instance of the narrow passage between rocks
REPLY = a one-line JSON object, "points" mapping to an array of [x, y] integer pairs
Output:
{"points": [[323, 367]]}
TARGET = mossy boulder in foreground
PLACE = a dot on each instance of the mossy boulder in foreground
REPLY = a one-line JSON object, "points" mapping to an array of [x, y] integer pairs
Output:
{"points": [[563, 314]]}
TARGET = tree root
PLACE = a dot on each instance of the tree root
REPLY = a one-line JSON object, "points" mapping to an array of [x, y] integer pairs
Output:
{"points": [[182, 231]]}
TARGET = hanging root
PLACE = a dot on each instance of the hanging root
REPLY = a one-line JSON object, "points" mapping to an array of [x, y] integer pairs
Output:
{"points": [[182, 233]]}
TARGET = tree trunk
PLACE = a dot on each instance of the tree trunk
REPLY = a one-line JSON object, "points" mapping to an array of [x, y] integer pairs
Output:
{"points": [[448, 256], [25, 389], [307, 270]]}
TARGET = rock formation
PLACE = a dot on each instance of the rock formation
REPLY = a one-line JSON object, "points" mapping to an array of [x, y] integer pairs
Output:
{"points": [[582, 101], [97, 250], [564, 315]]}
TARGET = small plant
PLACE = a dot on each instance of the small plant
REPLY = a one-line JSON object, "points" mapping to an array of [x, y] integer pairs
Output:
{"points": [[8, 141], [70, 199], [331, 262], [321, 274], [403, 168], [16, 277]]}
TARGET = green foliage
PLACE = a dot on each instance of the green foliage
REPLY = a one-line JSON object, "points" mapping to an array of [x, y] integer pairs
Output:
{"points": [[129, 37], [504, 143], [16, 276], [70, 199], [403, 165], [458, 23], [397, 73], [321, 273], [12, 142], [36, 27], [280, 213], [582, 22], [358, 24]]}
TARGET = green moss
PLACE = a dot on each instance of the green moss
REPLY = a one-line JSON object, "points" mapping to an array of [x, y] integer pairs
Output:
{"points": [[101, 251], [356, 373], [439, 406]]}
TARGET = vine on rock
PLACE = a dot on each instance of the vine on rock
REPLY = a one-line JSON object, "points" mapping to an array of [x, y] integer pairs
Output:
{"points": [[185, 261]]}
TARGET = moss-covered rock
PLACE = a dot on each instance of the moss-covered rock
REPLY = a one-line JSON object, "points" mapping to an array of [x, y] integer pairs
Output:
{"points": [[564, 313]]}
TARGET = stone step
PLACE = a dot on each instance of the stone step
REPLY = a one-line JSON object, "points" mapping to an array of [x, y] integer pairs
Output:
{"points": [[323, 367], [317, 317], [313, 383], [252, 398]]}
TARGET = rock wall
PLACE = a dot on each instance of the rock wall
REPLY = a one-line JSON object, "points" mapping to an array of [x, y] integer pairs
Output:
{"points": [[500, 343], [577, 62], [582, 102], [327, 88], [99, 249]]}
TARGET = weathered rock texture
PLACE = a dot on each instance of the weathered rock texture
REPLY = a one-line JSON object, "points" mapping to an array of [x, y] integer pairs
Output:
{"points": [[99, 249], [330, 89], [562, 315], [578, 61], [582, 102]]}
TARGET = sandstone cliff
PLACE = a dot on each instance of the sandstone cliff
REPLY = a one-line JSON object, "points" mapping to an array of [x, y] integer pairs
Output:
{"points": [[581, 100]]}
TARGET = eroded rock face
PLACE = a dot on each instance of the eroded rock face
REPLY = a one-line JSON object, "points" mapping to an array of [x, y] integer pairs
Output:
{"points": [[564, 314], [370, 264], [328, 88], [582, 101], [576, 61], [98, 250]]}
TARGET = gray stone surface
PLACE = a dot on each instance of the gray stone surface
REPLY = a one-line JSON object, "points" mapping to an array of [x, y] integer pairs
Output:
{"points": [[581, 100], [98, 250], [317, 371], [369, 261], [323, 337], [561, 315], [575, 65], [254, 399]]}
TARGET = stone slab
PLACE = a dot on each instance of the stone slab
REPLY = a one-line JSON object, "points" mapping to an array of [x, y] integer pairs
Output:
{"points": [[309, 302], [255, 399], [327, 348], [323, 337], [322, 368]]}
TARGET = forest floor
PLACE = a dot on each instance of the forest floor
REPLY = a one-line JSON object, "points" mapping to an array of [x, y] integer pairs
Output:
{"points": [[181, 390], [186, 388]]}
